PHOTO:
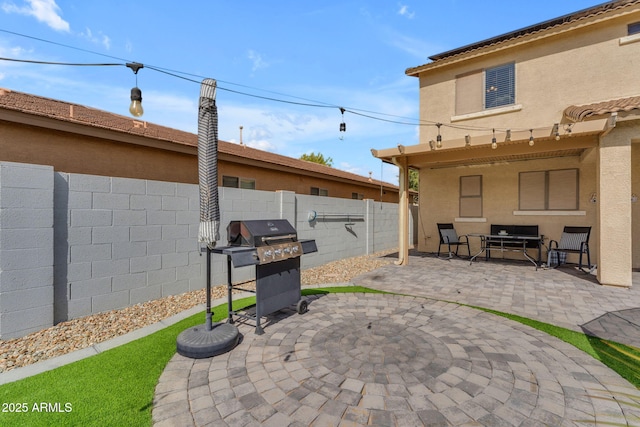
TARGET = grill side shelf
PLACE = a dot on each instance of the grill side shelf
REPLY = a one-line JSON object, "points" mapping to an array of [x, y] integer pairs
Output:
{"points": [[241, 256]]}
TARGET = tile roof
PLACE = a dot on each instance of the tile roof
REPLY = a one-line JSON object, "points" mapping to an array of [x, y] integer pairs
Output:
{"points": [[536, 28], [79, 114], [578, 113]]}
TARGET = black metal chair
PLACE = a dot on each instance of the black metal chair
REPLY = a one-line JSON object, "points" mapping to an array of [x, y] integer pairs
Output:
{"points": [[449, 237], [573, 240]]}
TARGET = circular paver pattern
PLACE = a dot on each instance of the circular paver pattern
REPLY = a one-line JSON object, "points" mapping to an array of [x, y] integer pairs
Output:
{"points": [[371, 359]]}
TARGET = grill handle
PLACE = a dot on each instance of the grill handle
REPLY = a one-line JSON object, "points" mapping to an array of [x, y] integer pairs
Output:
{"points": [[265, 239]]}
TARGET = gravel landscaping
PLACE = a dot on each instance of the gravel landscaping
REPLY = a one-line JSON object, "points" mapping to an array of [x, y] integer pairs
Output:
{"points": [[77, 334]]}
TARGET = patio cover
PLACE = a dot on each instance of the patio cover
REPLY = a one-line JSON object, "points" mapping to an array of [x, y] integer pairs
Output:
{"points": [[455, 153]]}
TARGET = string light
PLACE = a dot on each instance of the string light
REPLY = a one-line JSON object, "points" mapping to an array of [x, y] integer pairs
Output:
{"points": [[343, 125], [494, 143], [135, 108], [531, 138], [136, 98]]}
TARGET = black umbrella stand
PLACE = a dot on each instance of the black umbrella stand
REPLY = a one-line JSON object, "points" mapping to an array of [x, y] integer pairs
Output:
{"points": [[209, 339]]}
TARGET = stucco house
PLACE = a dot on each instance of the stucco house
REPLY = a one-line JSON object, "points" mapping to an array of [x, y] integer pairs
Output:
{"points": [[78, 139], [537, 126]]}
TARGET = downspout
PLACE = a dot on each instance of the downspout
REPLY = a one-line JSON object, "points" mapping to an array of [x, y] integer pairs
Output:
{"points": [[403, 211]]}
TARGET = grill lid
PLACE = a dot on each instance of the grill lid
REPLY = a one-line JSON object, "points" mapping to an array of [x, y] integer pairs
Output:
{"points": [[260, 232]]}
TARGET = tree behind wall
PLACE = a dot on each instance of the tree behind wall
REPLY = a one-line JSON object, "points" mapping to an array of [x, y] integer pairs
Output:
{"points": [[317, 158]]}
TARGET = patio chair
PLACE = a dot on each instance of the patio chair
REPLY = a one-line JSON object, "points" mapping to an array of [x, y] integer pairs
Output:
{"points": [[573, 240], [449, 237]]}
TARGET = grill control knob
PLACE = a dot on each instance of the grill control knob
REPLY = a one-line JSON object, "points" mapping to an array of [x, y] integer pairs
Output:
{"points": [[294, 249]]}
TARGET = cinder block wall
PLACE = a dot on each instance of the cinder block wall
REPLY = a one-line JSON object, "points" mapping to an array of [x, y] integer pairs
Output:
{"points": [[72, 245], [26, 249]]}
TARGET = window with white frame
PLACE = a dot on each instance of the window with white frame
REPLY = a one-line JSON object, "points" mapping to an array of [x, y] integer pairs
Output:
{"points": [[549, 190], [500, 86], [484, 89]]}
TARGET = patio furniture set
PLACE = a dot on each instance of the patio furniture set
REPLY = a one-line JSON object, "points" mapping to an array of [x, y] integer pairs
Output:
{"points": [[520, 238]]}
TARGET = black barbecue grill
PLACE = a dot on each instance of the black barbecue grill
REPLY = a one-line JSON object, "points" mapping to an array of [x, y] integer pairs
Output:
{"points": [[273, 247]]}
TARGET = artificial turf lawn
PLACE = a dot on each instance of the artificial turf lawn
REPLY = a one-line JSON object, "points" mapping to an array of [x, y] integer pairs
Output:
{"points": [[116, 388]]}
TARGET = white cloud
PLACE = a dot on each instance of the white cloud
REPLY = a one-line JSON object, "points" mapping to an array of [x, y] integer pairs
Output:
{"points": [[106, 42], [46, 11], [256, 58], [101, 39], [417, 48], [404, 11]]}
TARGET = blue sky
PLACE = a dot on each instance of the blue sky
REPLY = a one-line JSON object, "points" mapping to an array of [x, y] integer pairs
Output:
{"points": [[347, 53]]}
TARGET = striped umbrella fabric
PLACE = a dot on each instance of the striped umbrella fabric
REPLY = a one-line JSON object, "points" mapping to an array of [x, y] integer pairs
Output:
{"points": [[209, 230]]}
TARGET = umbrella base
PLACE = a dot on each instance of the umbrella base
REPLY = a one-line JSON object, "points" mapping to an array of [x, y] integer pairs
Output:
{"points": [[198, 343]]}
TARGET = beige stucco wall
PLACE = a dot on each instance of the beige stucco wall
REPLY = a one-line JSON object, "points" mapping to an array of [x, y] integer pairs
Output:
{"points": [[579, 67], [593, 61], [440, 190], [635, 206]]}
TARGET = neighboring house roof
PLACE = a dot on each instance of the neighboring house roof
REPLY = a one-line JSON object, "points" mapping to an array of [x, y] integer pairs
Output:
{"points": [[78, 114], [578, 113], [571, 18]]}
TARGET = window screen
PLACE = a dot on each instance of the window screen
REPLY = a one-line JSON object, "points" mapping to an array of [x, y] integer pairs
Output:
{"points": [[230, 181], [315, 191], [248, 184], [500, 86], [471, 196], [549, 190], [469, 93]]}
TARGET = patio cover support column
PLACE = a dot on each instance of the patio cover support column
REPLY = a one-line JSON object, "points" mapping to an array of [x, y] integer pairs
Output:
{"points": [[403, 211], [614, 207]]}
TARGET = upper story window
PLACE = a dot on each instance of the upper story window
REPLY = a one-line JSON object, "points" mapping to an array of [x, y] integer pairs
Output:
{"points": [[633, 28], [500, 86], [483, 89]]}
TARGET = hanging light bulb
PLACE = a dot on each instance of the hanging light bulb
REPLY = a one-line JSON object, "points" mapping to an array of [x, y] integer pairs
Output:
{"points": [[439, 137], [343, 125], [531, 138], [135, 108], [494, 142], [556, 131], [467, 140]]}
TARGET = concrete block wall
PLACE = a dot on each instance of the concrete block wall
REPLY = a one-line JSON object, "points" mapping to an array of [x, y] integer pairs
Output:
{"points": [[123, 241], [72, 245], [26, 249]]}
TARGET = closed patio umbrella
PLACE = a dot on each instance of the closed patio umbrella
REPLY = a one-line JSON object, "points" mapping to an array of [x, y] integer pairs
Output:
{"points": [[208, 340]]}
